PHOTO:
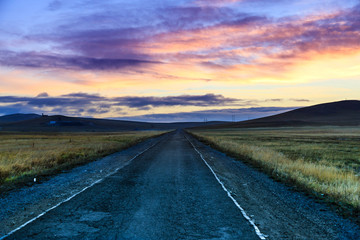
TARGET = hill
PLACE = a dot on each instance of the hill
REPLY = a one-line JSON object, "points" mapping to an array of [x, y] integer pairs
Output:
{"points": [[60, 123], [17, 117], [342, 113]]}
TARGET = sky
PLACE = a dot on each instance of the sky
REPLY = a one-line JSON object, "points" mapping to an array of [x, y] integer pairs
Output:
{"points": [[177, 60]]}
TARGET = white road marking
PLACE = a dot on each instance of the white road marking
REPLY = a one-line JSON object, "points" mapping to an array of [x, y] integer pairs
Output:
{"points": [[257, 230], [71, 197]]}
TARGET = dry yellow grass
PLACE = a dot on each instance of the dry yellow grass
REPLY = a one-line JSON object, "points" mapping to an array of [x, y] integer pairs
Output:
{"points": [[323, 160], [33, 154]]}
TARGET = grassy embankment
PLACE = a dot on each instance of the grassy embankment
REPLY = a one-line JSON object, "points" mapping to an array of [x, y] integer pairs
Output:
{"points": [[324, 161], [26, 155]]}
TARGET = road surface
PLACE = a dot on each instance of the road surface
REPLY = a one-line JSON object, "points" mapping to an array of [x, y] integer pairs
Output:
{"points": [[169, 192]]}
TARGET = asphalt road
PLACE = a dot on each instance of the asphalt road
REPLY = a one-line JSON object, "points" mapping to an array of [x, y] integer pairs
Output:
{"points": [[166, 193], [169, 192]]}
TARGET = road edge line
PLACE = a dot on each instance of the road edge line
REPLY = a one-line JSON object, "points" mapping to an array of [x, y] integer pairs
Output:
{"points": [[257, 230], [74, 195]]}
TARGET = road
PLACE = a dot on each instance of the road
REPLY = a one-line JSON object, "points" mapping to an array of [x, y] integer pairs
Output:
{"points": [[169, 192], [166, 193]]}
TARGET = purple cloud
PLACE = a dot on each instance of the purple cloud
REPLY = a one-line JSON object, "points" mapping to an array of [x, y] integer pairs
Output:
{"points": [[54, 5], [73, 101], [194, 17], [44, 94], [183, 100], [106, 38], [39, 60], [85, 104]]}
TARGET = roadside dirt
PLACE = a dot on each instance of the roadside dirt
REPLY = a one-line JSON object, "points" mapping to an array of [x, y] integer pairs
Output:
{"points": [[22, 204], [168, 192], [277, 209]]}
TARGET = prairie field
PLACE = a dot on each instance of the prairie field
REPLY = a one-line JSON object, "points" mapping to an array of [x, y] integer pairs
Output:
{"points": [[322, 160], [27, 155]]}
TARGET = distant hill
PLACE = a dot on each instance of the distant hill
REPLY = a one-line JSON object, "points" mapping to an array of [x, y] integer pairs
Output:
{"points": [[343, 113], [60, 123], [17, 117]]}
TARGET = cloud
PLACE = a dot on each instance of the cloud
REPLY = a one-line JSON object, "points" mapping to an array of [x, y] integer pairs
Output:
{"points": [[193, 17], [86, 104], [84, 96], [183, 100], [213, 41], [216, 2], [122, 42], [93, 104], [274, 100], [54, 5], [39, 60], [299, 100], [44, 94]]}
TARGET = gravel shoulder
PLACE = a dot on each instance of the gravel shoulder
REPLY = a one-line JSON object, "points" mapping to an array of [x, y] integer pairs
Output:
{"points": [[165, 193], [277, 209], [20, 205], [168, 192]]}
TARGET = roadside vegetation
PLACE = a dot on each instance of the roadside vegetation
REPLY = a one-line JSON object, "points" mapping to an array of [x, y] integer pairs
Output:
{"points": [[325, 161], [28, 155]]}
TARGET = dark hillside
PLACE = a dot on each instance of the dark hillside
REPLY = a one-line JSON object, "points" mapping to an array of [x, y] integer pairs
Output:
{"points": [[17, 117], [343, 113], [60, 123]]}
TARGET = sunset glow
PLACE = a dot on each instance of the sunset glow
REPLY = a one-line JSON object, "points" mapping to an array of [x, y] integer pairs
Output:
{"points": [[143, 59]]}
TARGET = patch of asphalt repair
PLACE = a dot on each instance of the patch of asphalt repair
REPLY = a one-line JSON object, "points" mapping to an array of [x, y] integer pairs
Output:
{"points": [[22, 206], [277, 209]]}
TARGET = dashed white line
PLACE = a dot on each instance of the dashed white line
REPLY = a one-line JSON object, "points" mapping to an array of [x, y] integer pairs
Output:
{"points": [[71, 197], [257, 230]]}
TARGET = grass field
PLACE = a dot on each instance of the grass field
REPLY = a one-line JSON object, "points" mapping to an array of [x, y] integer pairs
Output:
{"points": [[27, 155], [322, 160]]}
